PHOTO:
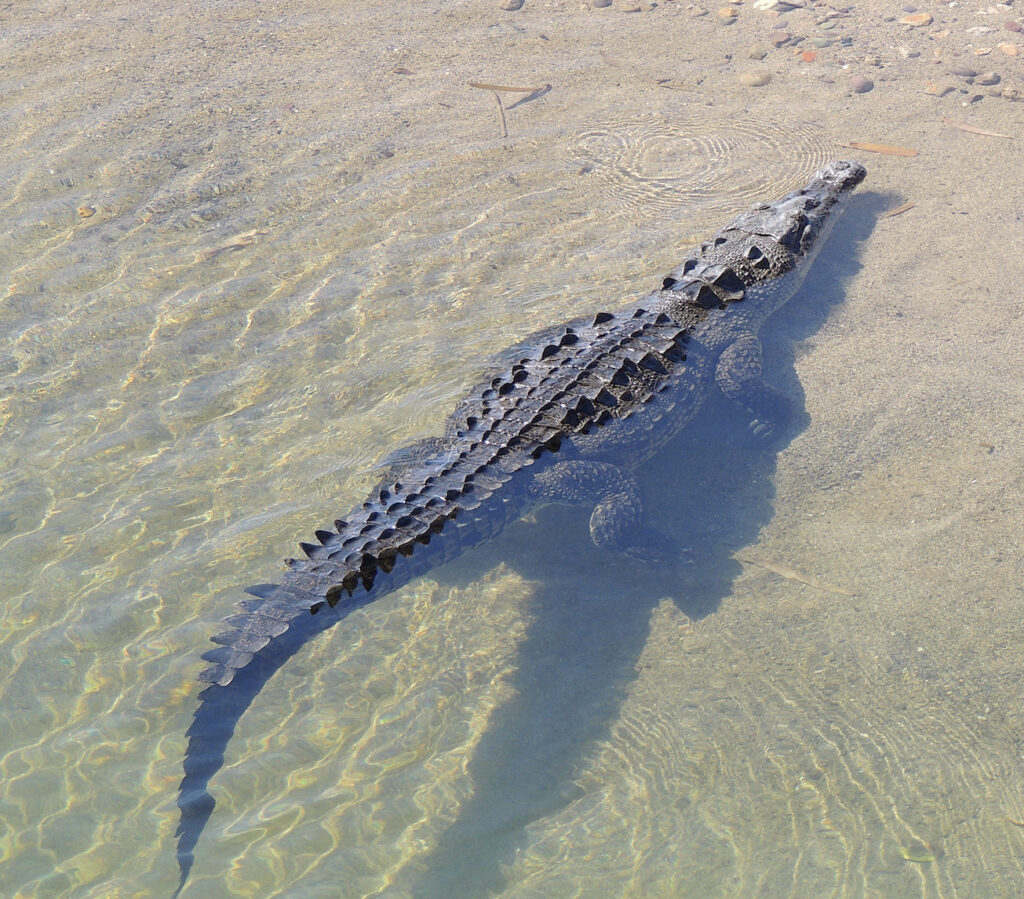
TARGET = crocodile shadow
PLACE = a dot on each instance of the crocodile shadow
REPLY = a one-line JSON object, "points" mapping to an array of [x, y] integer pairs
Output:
{"points": [[589, 626]]}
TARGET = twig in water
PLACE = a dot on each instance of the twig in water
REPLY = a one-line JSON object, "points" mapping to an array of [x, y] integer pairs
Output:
{"points": [[963, 126], [501, 112]]}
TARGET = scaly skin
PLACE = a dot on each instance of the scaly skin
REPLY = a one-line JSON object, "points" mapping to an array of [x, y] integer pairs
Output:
{"points": [[567, 417]]}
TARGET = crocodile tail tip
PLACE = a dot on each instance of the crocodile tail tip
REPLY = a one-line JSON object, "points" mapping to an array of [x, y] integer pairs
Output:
{"points": [[275, 627]]}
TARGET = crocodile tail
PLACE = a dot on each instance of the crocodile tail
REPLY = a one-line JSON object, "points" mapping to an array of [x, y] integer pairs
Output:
{"points": [[272, 629], [347, 569]]}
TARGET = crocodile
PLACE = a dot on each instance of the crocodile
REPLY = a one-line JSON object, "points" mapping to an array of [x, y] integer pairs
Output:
{"points": [[565, 417]]}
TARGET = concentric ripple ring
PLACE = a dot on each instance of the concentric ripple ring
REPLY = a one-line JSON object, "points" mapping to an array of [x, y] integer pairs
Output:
{"points": [[660, 165]]}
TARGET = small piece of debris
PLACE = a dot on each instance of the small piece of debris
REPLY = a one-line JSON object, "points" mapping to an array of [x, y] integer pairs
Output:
{"points": [[899, 210], [238, 242], [485, 86], [881, 148], [792, 574], [963, 126]]}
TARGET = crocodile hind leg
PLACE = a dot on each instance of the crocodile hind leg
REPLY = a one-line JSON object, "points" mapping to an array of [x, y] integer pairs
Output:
{"points": [[617, 522], [738, 375]]}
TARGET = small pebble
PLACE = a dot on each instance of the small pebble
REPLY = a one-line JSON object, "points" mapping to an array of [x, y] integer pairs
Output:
{"points": [[827, 26], [698, 11], [962, 71], [756, 78], [808, 56], [756, 51], [512, 5], [600, 4], [778, 38], [861, 85], [1010, 49], [909, 7], [917, 19], [87, 210], [938, 90], [821, 42], [727, 12], [988, 78], [1013, 26]]}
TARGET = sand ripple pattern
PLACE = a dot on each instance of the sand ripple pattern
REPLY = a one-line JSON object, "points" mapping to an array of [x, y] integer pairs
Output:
{"points": [[759, 771], [654, 167]]}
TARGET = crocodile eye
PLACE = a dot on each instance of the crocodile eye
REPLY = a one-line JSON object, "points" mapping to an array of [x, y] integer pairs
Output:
{"points": [[793, 239]]}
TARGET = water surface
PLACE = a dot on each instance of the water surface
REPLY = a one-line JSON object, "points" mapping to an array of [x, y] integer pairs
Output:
{"points": [[247, 251]]}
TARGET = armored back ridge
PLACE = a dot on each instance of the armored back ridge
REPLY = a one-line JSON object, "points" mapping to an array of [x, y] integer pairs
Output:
{"points": [[567, 417]]}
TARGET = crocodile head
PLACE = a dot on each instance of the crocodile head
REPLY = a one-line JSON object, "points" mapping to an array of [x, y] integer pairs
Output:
{"points": [[764, 253], [801, 220]]}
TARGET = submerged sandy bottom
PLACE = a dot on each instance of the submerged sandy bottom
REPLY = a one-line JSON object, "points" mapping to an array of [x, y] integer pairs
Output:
{"points": [[248, 251]]}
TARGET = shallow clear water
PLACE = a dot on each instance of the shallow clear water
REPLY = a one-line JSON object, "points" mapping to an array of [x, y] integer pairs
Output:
{"points": [[247, 251]]}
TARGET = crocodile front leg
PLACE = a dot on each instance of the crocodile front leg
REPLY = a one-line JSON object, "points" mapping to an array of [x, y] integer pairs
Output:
{"points": [[617, 522], [738, 374]]}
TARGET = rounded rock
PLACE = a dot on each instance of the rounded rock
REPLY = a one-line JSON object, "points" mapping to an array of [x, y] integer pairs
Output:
{"points": [[755, 78], [988, 78], [756, 51], [860, 85]]}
